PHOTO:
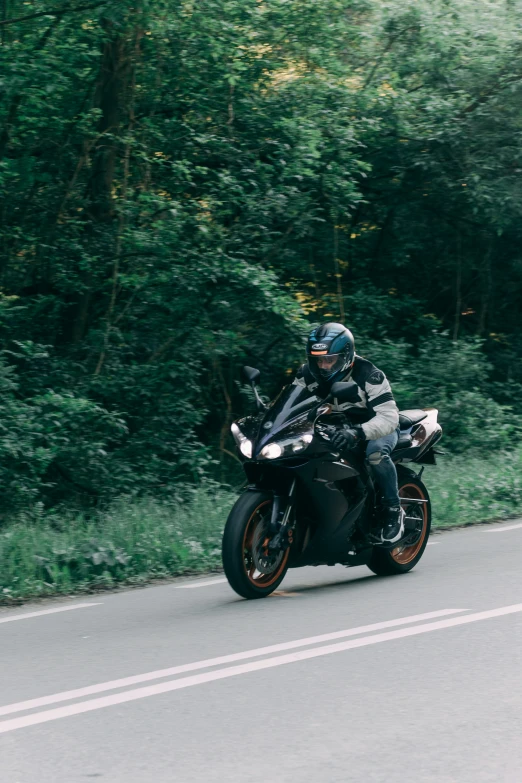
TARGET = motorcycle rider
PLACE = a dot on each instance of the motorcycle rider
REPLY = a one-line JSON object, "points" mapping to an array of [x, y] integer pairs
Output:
{"points": [[332, 358]]}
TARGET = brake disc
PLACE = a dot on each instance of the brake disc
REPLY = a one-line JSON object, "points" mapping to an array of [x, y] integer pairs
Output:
{"points": [[264, 562]]}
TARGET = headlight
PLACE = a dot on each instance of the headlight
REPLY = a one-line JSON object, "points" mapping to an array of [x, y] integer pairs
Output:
{"points": [[245, 445], [302, 443], [286, 447], [246, 448], [272, 451]]}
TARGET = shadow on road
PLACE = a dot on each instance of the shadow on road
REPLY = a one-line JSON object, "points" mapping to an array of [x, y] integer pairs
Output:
{"points": [[294, 591]]}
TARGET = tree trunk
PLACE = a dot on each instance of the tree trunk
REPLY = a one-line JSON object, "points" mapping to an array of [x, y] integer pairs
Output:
{"points": [[79, 327], [485, 285], [109, 97], [458, 292], [338, 273]]}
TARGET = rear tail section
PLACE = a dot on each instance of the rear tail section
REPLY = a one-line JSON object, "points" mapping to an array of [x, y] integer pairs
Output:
{"points": [[416, 442]]}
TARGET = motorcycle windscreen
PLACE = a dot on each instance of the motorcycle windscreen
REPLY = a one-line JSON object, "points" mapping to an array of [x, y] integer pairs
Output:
{"points": [[292, 401]]}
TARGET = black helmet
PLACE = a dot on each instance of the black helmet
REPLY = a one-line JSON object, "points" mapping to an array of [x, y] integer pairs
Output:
{"points": [[330, 350]]}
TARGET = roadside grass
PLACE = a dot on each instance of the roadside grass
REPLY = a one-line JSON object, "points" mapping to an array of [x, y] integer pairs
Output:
{"points": [[137, 541], [467, 490], [131, 542]]}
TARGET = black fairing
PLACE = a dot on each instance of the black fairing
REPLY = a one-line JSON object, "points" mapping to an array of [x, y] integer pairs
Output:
{"points": [[331, 498], [334, 497], [331, 495]]}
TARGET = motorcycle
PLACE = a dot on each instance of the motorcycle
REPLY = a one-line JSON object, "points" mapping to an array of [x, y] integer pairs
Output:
{"points": [[307, 505]]}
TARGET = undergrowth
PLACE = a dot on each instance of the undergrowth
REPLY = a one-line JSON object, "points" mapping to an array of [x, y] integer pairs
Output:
{"points": [[133, 542]]}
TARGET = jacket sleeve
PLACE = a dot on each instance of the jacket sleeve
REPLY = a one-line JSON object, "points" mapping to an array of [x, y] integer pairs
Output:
{"points": [[381, 402]]}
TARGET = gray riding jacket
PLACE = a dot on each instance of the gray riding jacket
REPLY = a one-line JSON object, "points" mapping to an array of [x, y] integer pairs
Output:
{"points": [[376, 411]]}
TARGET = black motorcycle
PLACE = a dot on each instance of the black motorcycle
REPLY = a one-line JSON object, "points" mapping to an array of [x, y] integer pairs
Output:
{"points": [[306, 505]]}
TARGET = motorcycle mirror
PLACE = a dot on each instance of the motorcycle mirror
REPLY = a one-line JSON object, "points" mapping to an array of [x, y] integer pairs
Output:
{"points": [[345, 392], [251, 375]]}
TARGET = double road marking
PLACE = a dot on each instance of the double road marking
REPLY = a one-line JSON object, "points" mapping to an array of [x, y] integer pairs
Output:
{"points": [[129, 695]]}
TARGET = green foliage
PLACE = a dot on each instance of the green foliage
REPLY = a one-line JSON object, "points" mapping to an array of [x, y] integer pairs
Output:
{"points": [[132, 542], [185, 186], [455, 378], [467, 490]]}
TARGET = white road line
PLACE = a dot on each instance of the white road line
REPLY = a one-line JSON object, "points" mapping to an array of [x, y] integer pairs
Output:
{"points": [[502, 529], [90, 690], [432, 543], [232, 671], [191, 585], [12, 618]]}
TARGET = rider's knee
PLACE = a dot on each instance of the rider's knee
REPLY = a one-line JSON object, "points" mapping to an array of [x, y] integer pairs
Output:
{"points": [[376, 457], [379, 457]]}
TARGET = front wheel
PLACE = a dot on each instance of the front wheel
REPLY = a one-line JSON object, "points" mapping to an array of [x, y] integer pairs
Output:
{"points": [[251, 571], [403, 558]]}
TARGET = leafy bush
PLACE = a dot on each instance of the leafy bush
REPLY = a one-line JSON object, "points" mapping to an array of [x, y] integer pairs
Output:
{"points": [[51, 439], [132, 541]]}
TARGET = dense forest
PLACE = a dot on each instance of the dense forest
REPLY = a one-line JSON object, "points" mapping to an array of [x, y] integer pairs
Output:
{"points": [[186, 186]]}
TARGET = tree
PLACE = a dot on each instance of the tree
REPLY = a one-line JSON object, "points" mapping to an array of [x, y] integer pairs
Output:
{"points": [[184, 187]]}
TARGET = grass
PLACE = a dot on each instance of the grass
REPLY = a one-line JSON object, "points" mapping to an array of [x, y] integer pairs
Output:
{"points": [[135, 542], [467, 490], [130, 543]]}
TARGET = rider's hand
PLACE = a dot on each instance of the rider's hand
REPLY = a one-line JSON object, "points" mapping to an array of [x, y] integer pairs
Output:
{"points": [[346, 438]]}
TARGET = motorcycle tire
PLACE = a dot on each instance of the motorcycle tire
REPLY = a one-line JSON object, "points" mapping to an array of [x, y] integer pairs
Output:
{"points": [[386, 562], [249, 570]]}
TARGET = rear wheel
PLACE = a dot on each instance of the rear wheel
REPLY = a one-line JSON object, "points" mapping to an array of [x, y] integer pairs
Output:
{"points": [[405, 556], [250, 569]]}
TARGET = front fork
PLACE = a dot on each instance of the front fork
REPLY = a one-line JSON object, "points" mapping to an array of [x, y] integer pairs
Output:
{"points": [[282, 531]]}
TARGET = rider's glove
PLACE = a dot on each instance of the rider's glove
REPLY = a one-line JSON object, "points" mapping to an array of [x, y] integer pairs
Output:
{"points": [[346, 438]]}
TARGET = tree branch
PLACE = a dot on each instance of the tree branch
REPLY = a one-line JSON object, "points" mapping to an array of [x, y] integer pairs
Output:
{"points": [[52, 12], [161, 350], [385, 51], [490, 93]]}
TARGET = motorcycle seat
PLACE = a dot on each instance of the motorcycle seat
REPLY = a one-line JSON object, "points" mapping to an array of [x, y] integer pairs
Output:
{"points": [[407, 419], [404, 442]]}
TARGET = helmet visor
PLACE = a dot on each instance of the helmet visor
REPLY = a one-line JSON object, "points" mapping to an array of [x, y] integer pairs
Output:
{"points": [[323, 366]]}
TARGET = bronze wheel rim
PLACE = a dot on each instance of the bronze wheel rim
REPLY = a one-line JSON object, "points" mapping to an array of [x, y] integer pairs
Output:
{"points": [[254, 540], [404, 555]]}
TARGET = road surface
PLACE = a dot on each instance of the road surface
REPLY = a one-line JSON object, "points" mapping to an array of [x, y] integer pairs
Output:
{"points": [[341, 676]]}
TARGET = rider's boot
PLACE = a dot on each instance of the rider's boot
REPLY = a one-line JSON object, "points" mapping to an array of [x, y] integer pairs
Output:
{"points": [[393, 524]]}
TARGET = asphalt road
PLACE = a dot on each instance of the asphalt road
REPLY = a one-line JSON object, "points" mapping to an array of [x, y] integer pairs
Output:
{"points": [[412, 678]]}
